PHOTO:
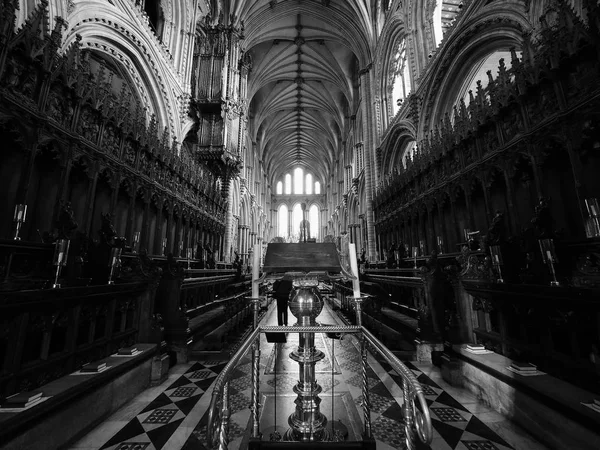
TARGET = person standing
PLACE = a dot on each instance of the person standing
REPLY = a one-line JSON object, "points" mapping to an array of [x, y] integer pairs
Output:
{"points": [[281, 291]]}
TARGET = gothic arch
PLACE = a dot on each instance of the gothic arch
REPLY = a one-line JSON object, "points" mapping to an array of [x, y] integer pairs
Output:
{"points": [[108, 31], [401, 132], [496, 28]]}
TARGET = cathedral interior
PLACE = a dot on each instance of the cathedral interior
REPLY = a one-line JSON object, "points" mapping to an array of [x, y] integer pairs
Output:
{"points": [[424, 172]]}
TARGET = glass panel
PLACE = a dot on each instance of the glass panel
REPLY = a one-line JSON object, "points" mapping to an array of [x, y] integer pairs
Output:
{"points": [[288, 184], [317, 187], [298, 180], [279, 189], [308, 187]]}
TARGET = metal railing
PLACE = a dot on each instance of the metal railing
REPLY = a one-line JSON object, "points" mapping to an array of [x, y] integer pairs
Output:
{"points": [[417, 420]]}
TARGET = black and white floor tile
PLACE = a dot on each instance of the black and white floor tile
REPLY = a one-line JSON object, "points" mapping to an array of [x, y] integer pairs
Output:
{"points": [[174, 415]]}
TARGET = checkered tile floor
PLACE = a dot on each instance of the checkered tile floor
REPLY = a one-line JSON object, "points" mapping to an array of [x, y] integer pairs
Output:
{"points": [[155, 426]]}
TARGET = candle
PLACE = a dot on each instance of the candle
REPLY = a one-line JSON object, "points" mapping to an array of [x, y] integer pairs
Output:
{"points": [[189, 253], [415, 252], [354, 268], [164, 246], [135, 241], [440, 243], [20, 212], [61, 251], [255, 270], [592, 206], [115, 256]]}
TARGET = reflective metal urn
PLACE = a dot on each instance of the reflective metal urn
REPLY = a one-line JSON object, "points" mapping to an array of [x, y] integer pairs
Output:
{"points": [[307, 422], [306, 304]]}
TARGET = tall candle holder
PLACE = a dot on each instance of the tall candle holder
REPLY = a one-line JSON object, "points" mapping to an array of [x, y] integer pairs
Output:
{"points": [[466, 233], [164, 246], [593, 209], [440, 244], [549, 257], [19, 218], [422, 247], [415, 253], [189, 253], [113, 262], [135, 242], [61, 251], [497, 261]]}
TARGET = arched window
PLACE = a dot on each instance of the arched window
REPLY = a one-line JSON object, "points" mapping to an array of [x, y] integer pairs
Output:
{"points": [[296, 219], [408, 151], [298, 180], [308, 189], [279, 189], [282, 221], [402, 77], [444, 14], [155, 16], [317, 188], [313, 218], [479, 72], [288, 184]]}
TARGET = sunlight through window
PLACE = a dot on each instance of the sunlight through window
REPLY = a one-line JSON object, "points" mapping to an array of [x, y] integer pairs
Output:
{"points": [[298, 180], [282, 221]]}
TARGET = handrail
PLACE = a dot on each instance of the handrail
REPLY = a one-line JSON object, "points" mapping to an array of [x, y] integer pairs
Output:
{"points": [[311, 329], [422, 420], [218, 413], [222, 379]]}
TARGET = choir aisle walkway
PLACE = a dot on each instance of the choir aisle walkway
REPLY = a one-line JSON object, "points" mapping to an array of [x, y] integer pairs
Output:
{"points": [[173, 416]]}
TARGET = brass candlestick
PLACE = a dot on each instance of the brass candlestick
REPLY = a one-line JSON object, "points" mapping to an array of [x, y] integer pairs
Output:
{"points": [[135, 242], [113, 262], [594, 220], [164, 247], [19, 218], [549, 257], [61, 251], [415, 253], [497, 260], [440, 244], [189, 252]]}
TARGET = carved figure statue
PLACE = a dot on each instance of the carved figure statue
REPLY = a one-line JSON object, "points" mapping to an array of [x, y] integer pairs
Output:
{"points": [[542, 220], [210, 258], [66, 223], [391, 259], [107, 230], [496, 232]]}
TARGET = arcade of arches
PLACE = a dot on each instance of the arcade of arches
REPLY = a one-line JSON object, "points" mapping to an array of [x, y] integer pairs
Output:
{"points": [[151, 150]]}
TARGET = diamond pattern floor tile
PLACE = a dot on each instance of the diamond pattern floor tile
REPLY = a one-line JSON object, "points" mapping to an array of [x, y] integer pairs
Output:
{"points": [[454, 426]]}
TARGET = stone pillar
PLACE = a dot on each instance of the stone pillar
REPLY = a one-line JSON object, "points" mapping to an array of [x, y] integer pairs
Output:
{"points": [[370, 155], [228, 238]]}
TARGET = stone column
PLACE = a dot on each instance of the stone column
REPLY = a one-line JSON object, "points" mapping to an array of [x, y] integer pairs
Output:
{"points": [[369, 144], [228, 238]]}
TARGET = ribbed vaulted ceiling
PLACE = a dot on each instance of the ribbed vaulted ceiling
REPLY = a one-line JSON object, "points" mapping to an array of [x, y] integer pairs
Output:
{"points": [[303, 85]]}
